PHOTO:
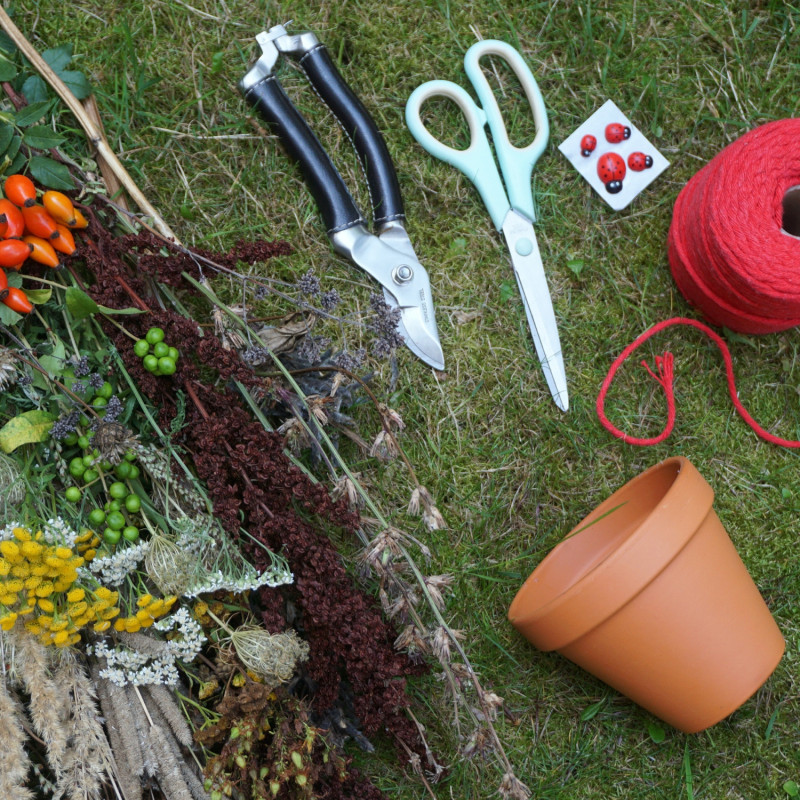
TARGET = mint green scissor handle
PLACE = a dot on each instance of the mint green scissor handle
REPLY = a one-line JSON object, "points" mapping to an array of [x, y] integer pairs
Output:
{"points": [[477, 160]]}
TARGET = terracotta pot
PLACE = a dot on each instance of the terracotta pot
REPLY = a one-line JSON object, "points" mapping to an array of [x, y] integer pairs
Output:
{"points": [[649, 594]]}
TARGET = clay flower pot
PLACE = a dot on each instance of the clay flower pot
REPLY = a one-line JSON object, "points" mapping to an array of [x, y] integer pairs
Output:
{"points": [[649, 594]]}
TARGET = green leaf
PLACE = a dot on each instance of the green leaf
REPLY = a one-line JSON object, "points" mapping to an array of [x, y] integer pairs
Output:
{"points": [[576, 265], [657, 733], [592, 710], [7, 70], [112, 311], [79, 304], [6, 135], [30, 426], [41, 137], [58, 58], [53, 365], [39, 296], [50, 173], [791, 788], [32, 113], [17, 164], [35, 89], [14, 279], [7, 316], [13, 147], [507, 291], [7, 43], [77, 83]]}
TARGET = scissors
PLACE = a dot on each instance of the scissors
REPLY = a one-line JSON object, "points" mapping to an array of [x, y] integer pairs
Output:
{"points": [[387, 255], [510, 206]]}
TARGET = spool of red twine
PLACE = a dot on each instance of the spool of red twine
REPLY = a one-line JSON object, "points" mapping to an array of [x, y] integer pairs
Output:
{"points": [[734, 242], [734, 251]]}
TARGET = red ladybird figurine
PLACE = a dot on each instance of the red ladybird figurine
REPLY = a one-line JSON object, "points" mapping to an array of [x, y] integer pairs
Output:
{"points": [[639, 161], [611, 170], [615, 133], [588, 144]]}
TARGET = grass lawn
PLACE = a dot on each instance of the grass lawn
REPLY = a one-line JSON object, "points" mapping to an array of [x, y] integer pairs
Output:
{"points": [[510, 473]]}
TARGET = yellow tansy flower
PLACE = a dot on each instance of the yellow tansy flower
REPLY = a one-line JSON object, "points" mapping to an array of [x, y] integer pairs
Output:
{"points": [[76, 609], [61, 638], [21, 535], [60, 585], [14, 585], [32, 582], [8, 598], [39, 569], [101, 626], [59, 625], [21, 570], [45, 620], [32, 550], [103, 593], [144, 600], [76, 595], [10, 550], [109, 613], [5, 567], [45, 605], [156, 607], [119, 625], [7, 621], [147, 622], [87, 534], [132, 625], [64, 553], [142, 614], [81, 622], [32, 626], [44, 589], [90, 554]]}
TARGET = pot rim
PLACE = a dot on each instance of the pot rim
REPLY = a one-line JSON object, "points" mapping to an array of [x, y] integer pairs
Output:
{"points": [[618, 577]]}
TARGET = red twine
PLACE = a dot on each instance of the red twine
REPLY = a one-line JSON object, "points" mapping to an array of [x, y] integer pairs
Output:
{"points": [[727, 250], [665, 375], [731, 257]]}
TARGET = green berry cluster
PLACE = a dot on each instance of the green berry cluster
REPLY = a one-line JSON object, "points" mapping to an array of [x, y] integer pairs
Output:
{"points": [[157, 356], [123, 503]]}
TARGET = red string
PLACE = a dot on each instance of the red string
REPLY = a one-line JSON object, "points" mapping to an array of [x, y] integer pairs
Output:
{"points": [[664, 376], [728, 252]]}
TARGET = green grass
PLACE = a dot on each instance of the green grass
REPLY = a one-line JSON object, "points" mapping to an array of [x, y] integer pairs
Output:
{"points": [[510, 473]]}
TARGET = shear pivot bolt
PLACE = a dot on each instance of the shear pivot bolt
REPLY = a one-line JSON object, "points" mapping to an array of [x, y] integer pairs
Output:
{"points": [[403, 274]]}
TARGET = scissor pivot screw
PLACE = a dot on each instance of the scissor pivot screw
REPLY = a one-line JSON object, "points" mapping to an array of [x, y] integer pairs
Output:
{"points": [[402, 274]]}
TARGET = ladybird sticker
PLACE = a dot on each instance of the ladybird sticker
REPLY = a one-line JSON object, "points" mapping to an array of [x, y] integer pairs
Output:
{"points": [[613, 155]]}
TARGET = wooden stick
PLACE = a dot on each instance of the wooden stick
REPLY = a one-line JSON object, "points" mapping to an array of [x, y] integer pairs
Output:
{"points": [[94, 134]]}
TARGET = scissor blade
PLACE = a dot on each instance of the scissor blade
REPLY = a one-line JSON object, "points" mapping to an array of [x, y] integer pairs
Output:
{"points": [[529, 272], [419, 336]]}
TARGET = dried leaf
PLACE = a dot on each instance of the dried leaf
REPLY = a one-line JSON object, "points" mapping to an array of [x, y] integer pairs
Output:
{"points": [[286, 335]]}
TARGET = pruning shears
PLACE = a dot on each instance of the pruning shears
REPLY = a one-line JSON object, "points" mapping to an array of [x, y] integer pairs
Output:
{"points": [[387, 255]]}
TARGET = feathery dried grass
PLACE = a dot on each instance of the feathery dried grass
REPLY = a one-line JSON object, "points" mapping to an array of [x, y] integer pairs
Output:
{"points": [[14, 762], [49, 701], [166, 702], [141, 727], [129, 765], [170, 778], [88, 760]]}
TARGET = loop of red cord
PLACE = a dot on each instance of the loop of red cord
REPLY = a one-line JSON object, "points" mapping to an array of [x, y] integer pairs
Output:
{"points": [[731, 258], [665, 376]]}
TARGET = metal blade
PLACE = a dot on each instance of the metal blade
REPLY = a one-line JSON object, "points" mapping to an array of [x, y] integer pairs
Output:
{"points": [[529, 272], [419, 335], [390, 259]]}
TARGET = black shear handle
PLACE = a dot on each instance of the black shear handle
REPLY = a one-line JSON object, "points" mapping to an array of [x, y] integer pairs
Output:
{"points": [[384, 189], [335, 204]]}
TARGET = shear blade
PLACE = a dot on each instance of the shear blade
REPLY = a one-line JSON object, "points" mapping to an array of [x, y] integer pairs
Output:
{"points": [[418, 336], [529, 272]]}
